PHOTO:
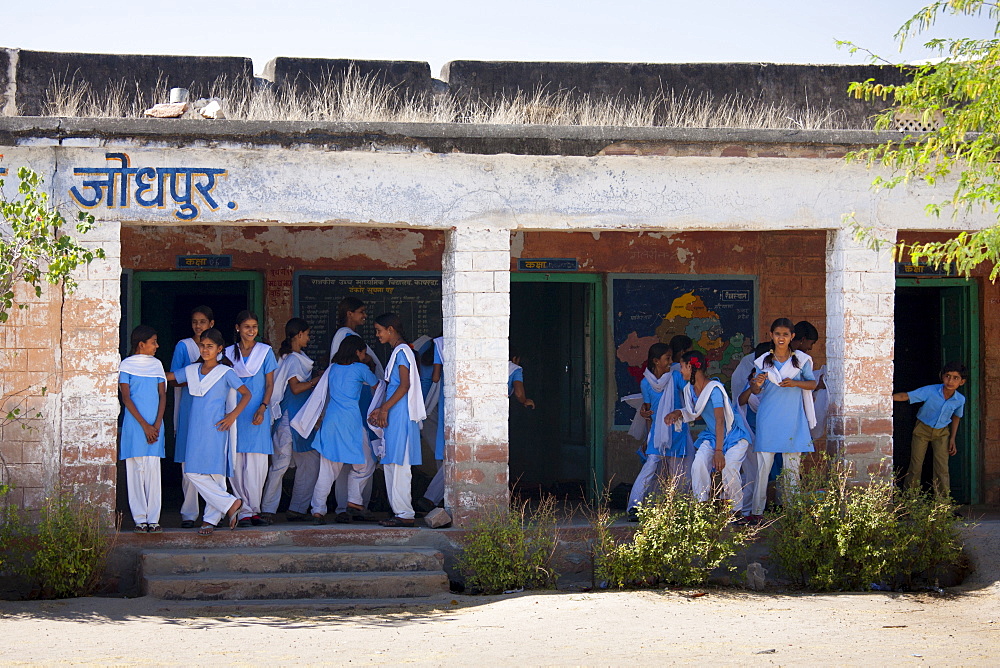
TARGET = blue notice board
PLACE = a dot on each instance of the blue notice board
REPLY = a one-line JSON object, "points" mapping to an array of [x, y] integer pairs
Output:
{"points": [[717, 312]]}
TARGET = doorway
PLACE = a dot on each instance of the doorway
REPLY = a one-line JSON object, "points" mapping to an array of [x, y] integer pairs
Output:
{"points": [[163, 300], [556, 329], [936, 322]]}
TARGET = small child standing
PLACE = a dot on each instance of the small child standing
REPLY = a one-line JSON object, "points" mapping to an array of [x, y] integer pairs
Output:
{"points": [[937, 424], [143, 386]]}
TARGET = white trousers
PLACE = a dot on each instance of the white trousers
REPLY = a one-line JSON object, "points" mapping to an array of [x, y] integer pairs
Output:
{"points": [[306, 472], [673, 469], [142, 475], [282, 457], [748, 474], [701, 473], [189, 506], [356, 475], [765, 460], [212, 487], [363, 472], [249, 473], [435, 490], [397, 483]]}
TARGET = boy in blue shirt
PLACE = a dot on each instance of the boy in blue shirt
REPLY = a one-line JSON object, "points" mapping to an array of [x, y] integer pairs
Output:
{"points": [[937, 424]]}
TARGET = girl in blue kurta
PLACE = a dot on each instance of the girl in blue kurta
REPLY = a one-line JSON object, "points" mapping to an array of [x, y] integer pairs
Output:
{"points": [[187, 352], [341, 438], [254, 363], [293, 385], [723, 443], [784, 380], [400, 416], [143, 386], [434, 401], [211, 429], [665, 447]]}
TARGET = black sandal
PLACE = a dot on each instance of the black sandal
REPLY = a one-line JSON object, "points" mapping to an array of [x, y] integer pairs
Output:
{"points": [[396, 522]]}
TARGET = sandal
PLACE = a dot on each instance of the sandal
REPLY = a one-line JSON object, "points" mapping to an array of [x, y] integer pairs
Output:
{"points": [[359, 514], [153, 528], [187, 524], [140, 527], [319, 519], [233, 513], [206, 529], [396, 522]]}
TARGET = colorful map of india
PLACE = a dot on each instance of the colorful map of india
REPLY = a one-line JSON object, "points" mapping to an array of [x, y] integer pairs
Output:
{"points": [[717, 315]]}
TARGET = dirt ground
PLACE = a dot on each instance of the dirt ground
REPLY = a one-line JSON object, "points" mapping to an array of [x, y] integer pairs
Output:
{"points": [[722, 627], [639, 628]]}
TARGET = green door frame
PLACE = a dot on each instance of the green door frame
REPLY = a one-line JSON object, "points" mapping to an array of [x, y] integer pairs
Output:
{"points": [[139, 277], [974, 388], [597, 361]]}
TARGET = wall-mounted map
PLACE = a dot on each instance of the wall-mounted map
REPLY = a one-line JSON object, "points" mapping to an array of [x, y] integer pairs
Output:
{"points": [[718, 314]]}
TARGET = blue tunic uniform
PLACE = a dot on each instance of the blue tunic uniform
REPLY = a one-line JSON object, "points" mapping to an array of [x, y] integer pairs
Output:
{"points": [[781, 420], [402, 433], [678, 447], [251, 437], [518, 374], [341, 436], [439, 437], [208, 448], [145, 394], [177, 364], [718, 400], [291, 404]]}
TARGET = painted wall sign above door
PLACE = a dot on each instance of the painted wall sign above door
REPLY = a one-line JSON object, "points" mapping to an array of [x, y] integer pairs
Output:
{"points": [[547, 264], [204, 261]]}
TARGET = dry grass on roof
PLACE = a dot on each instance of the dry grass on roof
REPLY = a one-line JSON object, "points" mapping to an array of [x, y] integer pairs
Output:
{"points": [[353, 98]]}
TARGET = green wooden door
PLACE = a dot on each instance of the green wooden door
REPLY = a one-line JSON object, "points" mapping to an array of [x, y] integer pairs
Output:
{"points": [[959, 331]]}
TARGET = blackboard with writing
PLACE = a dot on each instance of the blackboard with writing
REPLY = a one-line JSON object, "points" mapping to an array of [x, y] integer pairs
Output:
{"points": [[414, 296]]}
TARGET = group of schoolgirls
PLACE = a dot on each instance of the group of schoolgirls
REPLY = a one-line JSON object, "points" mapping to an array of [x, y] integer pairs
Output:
{"points": [[229, 424], [769, 410]]}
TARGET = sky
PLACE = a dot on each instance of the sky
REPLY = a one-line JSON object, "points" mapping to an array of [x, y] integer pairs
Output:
{"points": [[439, 31]]}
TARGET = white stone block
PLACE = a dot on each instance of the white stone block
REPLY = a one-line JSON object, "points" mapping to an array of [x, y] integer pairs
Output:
{"points": [[501, 281], [492, 304], [491, 260], [884, 281], [491, 408], [481, 239], [463, 304], [457, 260], [474, 281]]}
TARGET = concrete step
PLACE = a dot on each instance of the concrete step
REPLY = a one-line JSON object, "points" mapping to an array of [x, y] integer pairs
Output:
{"points": [[291, 560], [212, 585]]}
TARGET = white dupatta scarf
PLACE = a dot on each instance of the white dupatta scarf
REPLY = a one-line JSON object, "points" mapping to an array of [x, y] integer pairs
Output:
{"points": [[146, 366], [293, 365], [662, 435], [199, 386], [414, 397], [248, 366], [343, 333], [787, 372], [691, 409]]}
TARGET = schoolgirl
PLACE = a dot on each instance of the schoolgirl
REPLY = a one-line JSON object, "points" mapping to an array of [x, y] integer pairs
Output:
{"points": [[434, 401], [399, 416], [212, 429], [143, 386], [255, 365], [352, 314], [679, 344], [784, 380], [293, 384], [723, 443], [666, 447], [748, 408], [342, 437], [185, 353]]}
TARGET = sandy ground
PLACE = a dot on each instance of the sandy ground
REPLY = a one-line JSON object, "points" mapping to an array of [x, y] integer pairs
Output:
{"points": [[725, 627]]}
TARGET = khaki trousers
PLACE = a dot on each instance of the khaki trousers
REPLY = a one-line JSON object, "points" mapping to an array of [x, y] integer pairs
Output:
{"points": [[938, 439]]}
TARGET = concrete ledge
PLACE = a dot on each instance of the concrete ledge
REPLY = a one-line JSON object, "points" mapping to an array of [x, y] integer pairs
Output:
{"points": [[431, 137]]}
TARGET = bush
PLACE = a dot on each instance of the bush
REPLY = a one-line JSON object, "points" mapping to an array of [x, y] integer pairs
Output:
{"points": [[679, 541], [832, 535], [65, 553], [511, 548]]}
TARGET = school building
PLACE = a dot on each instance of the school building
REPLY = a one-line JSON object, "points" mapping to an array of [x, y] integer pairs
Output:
{"points": [[577, 245]]}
